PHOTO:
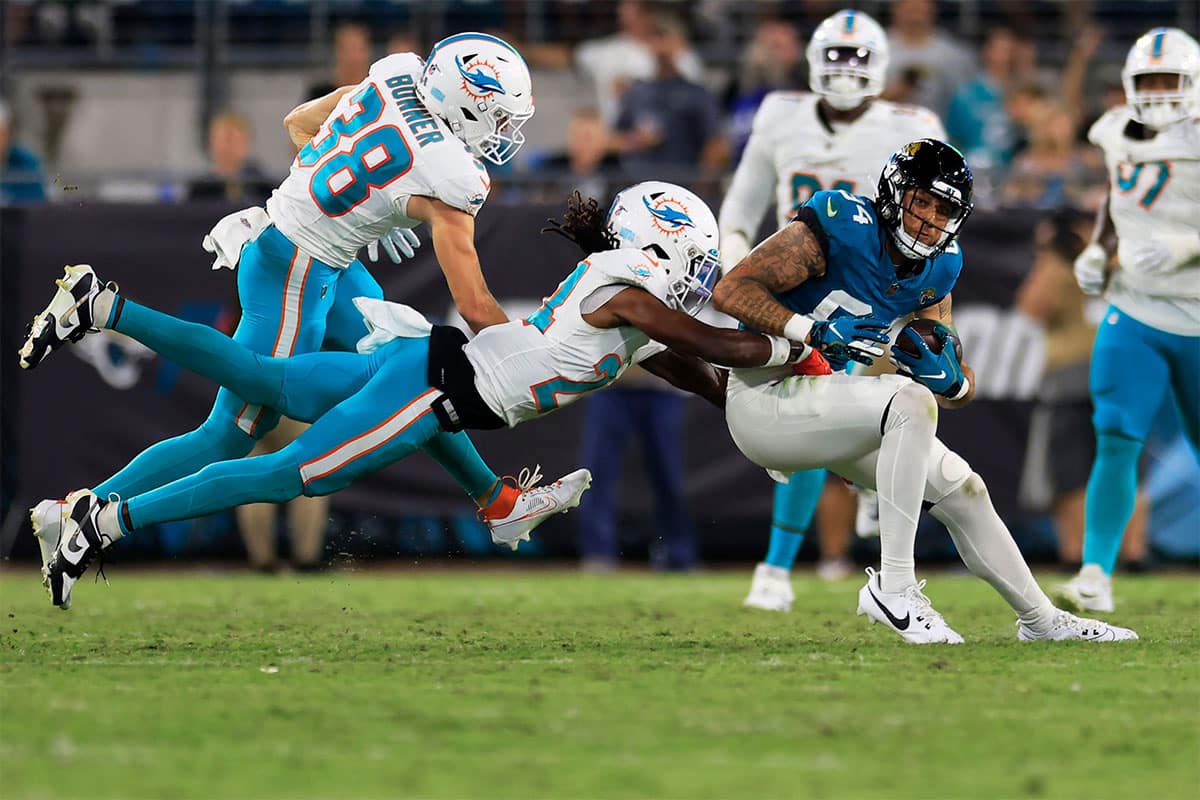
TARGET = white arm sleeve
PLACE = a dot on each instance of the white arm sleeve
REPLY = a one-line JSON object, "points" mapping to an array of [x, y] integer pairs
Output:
{"points": [[747, 200]]}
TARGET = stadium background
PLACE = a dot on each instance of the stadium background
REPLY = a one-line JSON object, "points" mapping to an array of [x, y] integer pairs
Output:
{"points": [[115, 99]]}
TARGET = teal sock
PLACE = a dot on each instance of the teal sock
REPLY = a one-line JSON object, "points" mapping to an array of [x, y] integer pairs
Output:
{"points": [[458, 456], [1111, 493], [795, 505]]}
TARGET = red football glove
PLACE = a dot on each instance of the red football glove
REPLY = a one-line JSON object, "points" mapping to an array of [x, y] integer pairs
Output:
{"points": [[815, 364]]}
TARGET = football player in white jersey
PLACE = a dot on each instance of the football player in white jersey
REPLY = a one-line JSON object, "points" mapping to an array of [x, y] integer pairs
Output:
{"points": [[834, 138], [652, 260], [404, 146], [1148, 343]]}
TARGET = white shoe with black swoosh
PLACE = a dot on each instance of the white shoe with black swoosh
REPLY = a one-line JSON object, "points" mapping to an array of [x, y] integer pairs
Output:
{"points": [[79, 543], [68, 317], [535, 504], [909, 613], [47, 519], [1067, 627]]}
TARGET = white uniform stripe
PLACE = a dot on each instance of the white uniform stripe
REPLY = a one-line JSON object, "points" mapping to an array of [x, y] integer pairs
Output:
{"points": [[365, 443]]}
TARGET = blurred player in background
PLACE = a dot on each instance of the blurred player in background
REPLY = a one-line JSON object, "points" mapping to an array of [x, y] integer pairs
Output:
{"points": [[837, 277], [1148, 342], [376, 159], [649, 266], [801, 144]]}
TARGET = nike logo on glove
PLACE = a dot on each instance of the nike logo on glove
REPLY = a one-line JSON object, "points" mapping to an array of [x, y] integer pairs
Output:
{"points": [[900, 624], [941, 374], [829, 210]]}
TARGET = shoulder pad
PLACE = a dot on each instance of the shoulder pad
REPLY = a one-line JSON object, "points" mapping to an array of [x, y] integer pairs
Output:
{"points": [[461, 183], [631, 267], [396, 64]]}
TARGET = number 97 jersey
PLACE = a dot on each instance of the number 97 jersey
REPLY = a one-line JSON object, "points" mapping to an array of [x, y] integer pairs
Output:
{"points": [[379, 147]]}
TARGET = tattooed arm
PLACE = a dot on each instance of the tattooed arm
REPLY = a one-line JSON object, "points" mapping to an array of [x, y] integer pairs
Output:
{"points": [[942, 312], [787, 259]]}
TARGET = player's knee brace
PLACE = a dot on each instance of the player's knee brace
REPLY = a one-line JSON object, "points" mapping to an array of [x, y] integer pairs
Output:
{"points": [[948, 473], [969, 493]]}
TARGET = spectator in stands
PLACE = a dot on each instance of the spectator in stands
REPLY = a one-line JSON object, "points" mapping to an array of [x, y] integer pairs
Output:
{"points": [[614, 62], [1053, 170], [668, 125], [977, 120], [1062, 442], [21, 176], [926, 64], [587, 164], [352, 57], [232, 176], [772, 61]]}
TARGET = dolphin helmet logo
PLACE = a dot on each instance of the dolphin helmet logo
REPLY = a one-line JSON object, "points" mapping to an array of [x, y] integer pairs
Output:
{"points": [[476, 78], [669, 215]]}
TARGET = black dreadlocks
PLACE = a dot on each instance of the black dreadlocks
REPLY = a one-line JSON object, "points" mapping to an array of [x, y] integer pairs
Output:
{"points": [[583, 224]]}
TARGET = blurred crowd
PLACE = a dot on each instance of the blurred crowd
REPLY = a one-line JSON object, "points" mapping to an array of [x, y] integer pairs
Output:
{"points": [[672, 90]]}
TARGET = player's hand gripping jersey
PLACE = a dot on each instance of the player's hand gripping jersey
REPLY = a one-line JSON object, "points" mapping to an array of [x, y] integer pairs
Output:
{"points": [[1154, 202], [795, 148], [380, 146], [860, 278], [529, 367]]}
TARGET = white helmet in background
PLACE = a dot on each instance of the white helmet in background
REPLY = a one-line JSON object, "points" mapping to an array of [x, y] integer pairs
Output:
{"points": [[1167, 51], [481, 87], [847, 59], [677, 229]]}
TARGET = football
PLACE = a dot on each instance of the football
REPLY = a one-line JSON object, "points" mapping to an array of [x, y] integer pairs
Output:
{"points": [[927, 330]]}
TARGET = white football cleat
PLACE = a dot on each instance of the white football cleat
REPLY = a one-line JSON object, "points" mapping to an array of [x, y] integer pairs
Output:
{"points": [[79, 543], [1068, 627], [866, 519], [47, 519], [1090, 590], [771, 589], [909, 613], [535, 504], [68, 318]]}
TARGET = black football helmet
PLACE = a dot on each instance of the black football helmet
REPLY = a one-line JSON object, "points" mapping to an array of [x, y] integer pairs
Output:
{"points": [[940, 170]]}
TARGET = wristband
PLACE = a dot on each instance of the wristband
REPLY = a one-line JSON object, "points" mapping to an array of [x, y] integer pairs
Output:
{"points": [[781, 351], [797, 328], [966, 387]]}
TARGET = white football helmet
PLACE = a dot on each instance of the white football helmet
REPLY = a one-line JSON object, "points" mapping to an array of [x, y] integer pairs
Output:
{"points": [[1163, 51], [678, 230], [847, 59], [481, 87]]}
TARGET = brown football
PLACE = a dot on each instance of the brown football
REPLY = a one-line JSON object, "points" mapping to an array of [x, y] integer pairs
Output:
{"points": [[926, 329]]}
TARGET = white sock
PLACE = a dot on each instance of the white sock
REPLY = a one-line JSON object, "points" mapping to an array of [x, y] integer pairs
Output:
{"points": [[102, 307], [987, 548], [108, 522], [900, 471]]}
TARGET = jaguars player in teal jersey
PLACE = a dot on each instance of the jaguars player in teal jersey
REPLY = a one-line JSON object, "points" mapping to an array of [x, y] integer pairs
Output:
{"points": [[836, 277]]}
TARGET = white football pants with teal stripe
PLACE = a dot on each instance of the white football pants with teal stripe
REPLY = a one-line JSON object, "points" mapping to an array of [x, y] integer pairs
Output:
{"points": [[367, 411], [291, 304]]}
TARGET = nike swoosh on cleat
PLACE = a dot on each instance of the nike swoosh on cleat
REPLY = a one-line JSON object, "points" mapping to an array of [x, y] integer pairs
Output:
{"points": [[900, 624], [72, 543]]}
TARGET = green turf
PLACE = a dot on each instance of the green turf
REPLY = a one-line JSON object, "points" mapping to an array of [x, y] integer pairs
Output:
{"points": [[530, 685]]}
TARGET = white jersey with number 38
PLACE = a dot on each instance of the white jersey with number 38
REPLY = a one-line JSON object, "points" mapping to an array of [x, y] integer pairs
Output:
{"points": [[797, 151], [351, 183], [1154, 202], [526, 368]]}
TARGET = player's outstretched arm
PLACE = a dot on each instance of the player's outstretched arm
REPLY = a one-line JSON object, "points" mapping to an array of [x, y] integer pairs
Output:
{"points": [[783, 261], [303, 121], [688, 336], [691, 374], [454, 243], [943, 312]]}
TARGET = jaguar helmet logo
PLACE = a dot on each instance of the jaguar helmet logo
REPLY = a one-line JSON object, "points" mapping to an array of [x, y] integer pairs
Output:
{"points": [[669, 215], [480, 78]]}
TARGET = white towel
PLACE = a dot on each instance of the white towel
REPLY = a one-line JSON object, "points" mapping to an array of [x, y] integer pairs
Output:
{"points": [[386, 321], [232, 233]]}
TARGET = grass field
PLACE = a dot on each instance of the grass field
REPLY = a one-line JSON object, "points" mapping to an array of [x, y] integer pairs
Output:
{"points": [[545, 685]]}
